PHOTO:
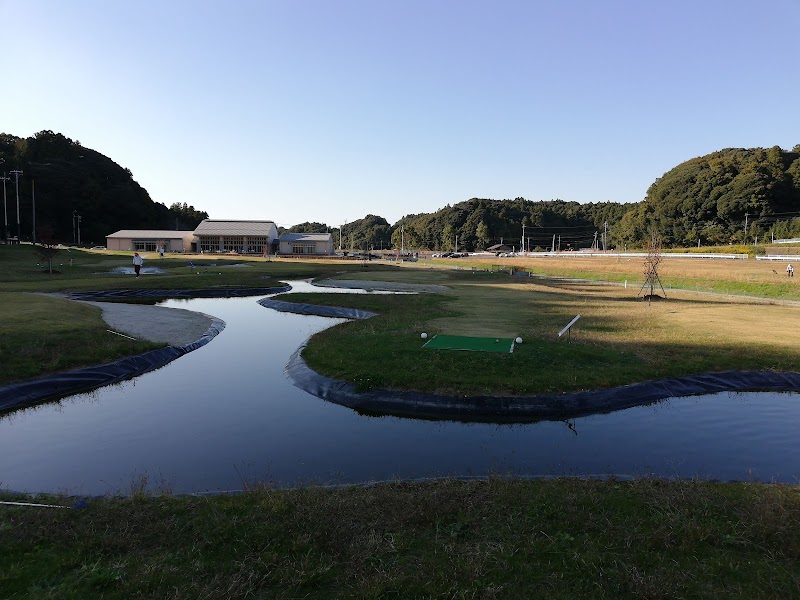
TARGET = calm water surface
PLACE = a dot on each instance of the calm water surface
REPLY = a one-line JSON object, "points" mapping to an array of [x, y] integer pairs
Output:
{"points": [[224, 416]]}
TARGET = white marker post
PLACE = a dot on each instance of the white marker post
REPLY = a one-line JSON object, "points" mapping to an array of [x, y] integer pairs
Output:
{"points": [[567, 329]]}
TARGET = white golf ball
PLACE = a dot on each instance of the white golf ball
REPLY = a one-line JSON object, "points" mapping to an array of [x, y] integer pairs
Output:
{"points": [[518, 340], [423, 335]]}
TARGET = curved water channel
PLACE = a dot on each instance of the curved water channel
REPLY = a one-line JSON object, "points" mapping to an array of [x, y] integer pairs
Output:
{"points": [[224, 417]]}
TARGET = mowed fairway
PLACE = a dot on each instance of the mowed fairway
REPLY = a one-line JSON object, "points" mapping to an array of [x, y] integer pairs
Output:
{"points": [[619, 339]]}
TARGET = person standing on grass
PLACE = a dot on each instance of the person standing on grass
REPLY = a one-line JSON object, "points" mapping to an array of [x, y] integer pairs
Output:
{"points": [[790, 270], [137, 263]]}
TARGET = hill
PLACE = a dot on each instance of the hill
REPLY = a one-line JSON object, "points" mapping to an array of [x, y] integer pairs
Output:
{"points": [[732, 196], [67, 180], [479, 223]]}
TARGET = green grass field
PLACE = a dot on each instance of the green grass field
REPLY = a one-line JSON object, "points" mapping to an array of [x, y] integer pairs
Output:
{"points": [[500, 538], [619, 339], [564, 538]]}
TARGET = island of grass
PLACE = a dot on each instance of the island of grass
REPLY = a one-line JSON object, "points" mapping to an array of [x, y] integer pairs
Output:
{"points": [[618, 341]]}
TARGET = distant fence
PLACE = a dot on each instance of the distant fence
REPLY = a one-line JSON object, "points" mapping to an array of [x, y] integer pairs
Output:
{"points": [[635, 255]]}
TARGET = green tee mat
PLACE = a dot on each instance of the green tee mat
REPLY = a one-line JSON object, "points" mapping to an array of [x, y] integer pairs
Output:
{"points": [[479, 344]]}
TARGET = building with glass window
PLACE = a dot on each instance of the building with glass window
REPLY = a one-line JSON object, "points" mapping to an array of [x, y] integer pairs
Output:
{"points": [[240, 237], [216, 236], [149, 240], [306, 243]]}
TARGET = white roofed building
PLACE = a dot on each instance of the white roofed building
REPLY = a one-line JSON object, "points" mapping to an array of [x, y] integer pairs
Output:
{"points": [[241, 237], [306, 243], [148, 240]]}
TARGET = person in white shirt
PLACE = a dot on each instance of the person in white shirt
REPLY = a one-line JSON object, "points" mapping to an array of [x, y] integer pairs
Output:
{"points": [[137, 263]]}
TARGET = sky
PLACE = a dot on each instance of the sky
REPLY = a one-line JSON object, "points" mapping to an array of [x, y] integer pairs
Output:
{"points": [[329, 110]]}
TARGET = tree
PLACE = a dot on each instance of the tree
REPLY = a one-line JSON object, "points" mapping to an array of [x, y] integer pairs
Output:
{"points": [[47, 246], [448, 238], [482, 233]]}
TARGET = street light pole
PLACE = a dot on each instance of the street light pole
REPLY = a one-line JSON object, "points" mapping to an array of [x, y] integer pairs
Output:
{"points": [[16, 174], [5, 207]]}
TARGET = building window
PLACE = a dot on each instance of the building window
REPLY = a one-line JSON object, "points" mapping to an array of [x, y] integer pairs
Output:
{"points": [[233, 243], [144, 246], [302, 248], [257, 245], [209, 244]]}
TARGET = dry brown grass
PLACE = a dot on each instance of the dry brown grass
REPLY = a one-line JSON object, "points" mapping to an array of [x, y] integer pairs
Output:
{"points": [[694, 268]]}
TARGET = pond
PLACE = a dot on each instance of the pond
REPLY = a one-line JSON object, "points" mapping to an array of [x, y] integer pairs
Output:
{"points": [[224, 417]]}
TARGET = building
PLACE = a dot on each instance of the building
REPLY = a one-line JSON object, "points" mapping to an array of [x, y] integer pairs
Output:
{"points": [[241, 237], [147, 240], [215, 236], [306, 243]]}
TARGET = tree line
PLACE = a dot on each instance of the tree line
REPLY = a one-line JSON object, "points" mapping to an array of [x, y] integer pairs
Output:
{"points": [[735, 195]]}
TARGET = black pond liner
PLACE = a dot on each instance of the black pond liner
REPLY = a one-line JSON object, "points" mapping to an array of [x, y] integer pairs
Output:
{"points": [[59, 385], [506, 409]]}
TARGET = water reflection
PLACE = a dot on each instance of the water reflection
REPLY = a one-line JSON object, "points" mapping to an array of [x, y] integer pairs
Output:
{"points": [[224, 416]]}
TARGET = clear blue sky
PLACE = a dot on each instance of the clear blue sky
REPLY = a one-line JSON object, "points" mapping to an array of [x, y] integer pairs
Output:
{"points": [[329, 110]]}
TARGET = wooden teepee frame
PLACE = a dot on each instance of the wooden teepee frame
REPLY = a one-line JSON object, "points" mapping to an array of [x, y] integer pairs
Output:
{"points": [[651, 267]]}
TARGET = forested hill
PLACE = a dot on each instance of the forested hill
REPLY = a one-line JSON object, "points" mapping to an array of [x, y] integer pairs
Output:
{"points": [[480, 223], [714, 198], [67, 179]]}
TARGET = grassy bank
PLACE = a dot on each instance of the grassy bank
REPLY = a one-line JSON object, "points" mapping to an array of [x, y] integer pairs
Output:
{"points": [[619, 339], [491, 539], [78, 270], [40, 335]]}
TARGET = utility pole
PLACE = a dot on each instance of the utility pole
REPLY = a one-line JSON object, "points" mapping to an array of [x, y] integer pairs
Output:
{"points": [[456, 248], [33, 211], [554, 243], [16, 175], [745, 227], [523, 238], [559, 243], [595, 242], [605, 236], [74, 220], [5, 207], [402, 239], [79, 230]]}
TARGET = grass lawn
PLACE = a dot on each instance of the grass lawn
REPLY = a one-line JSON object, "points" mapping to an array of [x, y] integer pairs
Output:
{"points": [[40, 335], [618, 340], [80, 270], [742, 277], [562, 538], [500, 538]]}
